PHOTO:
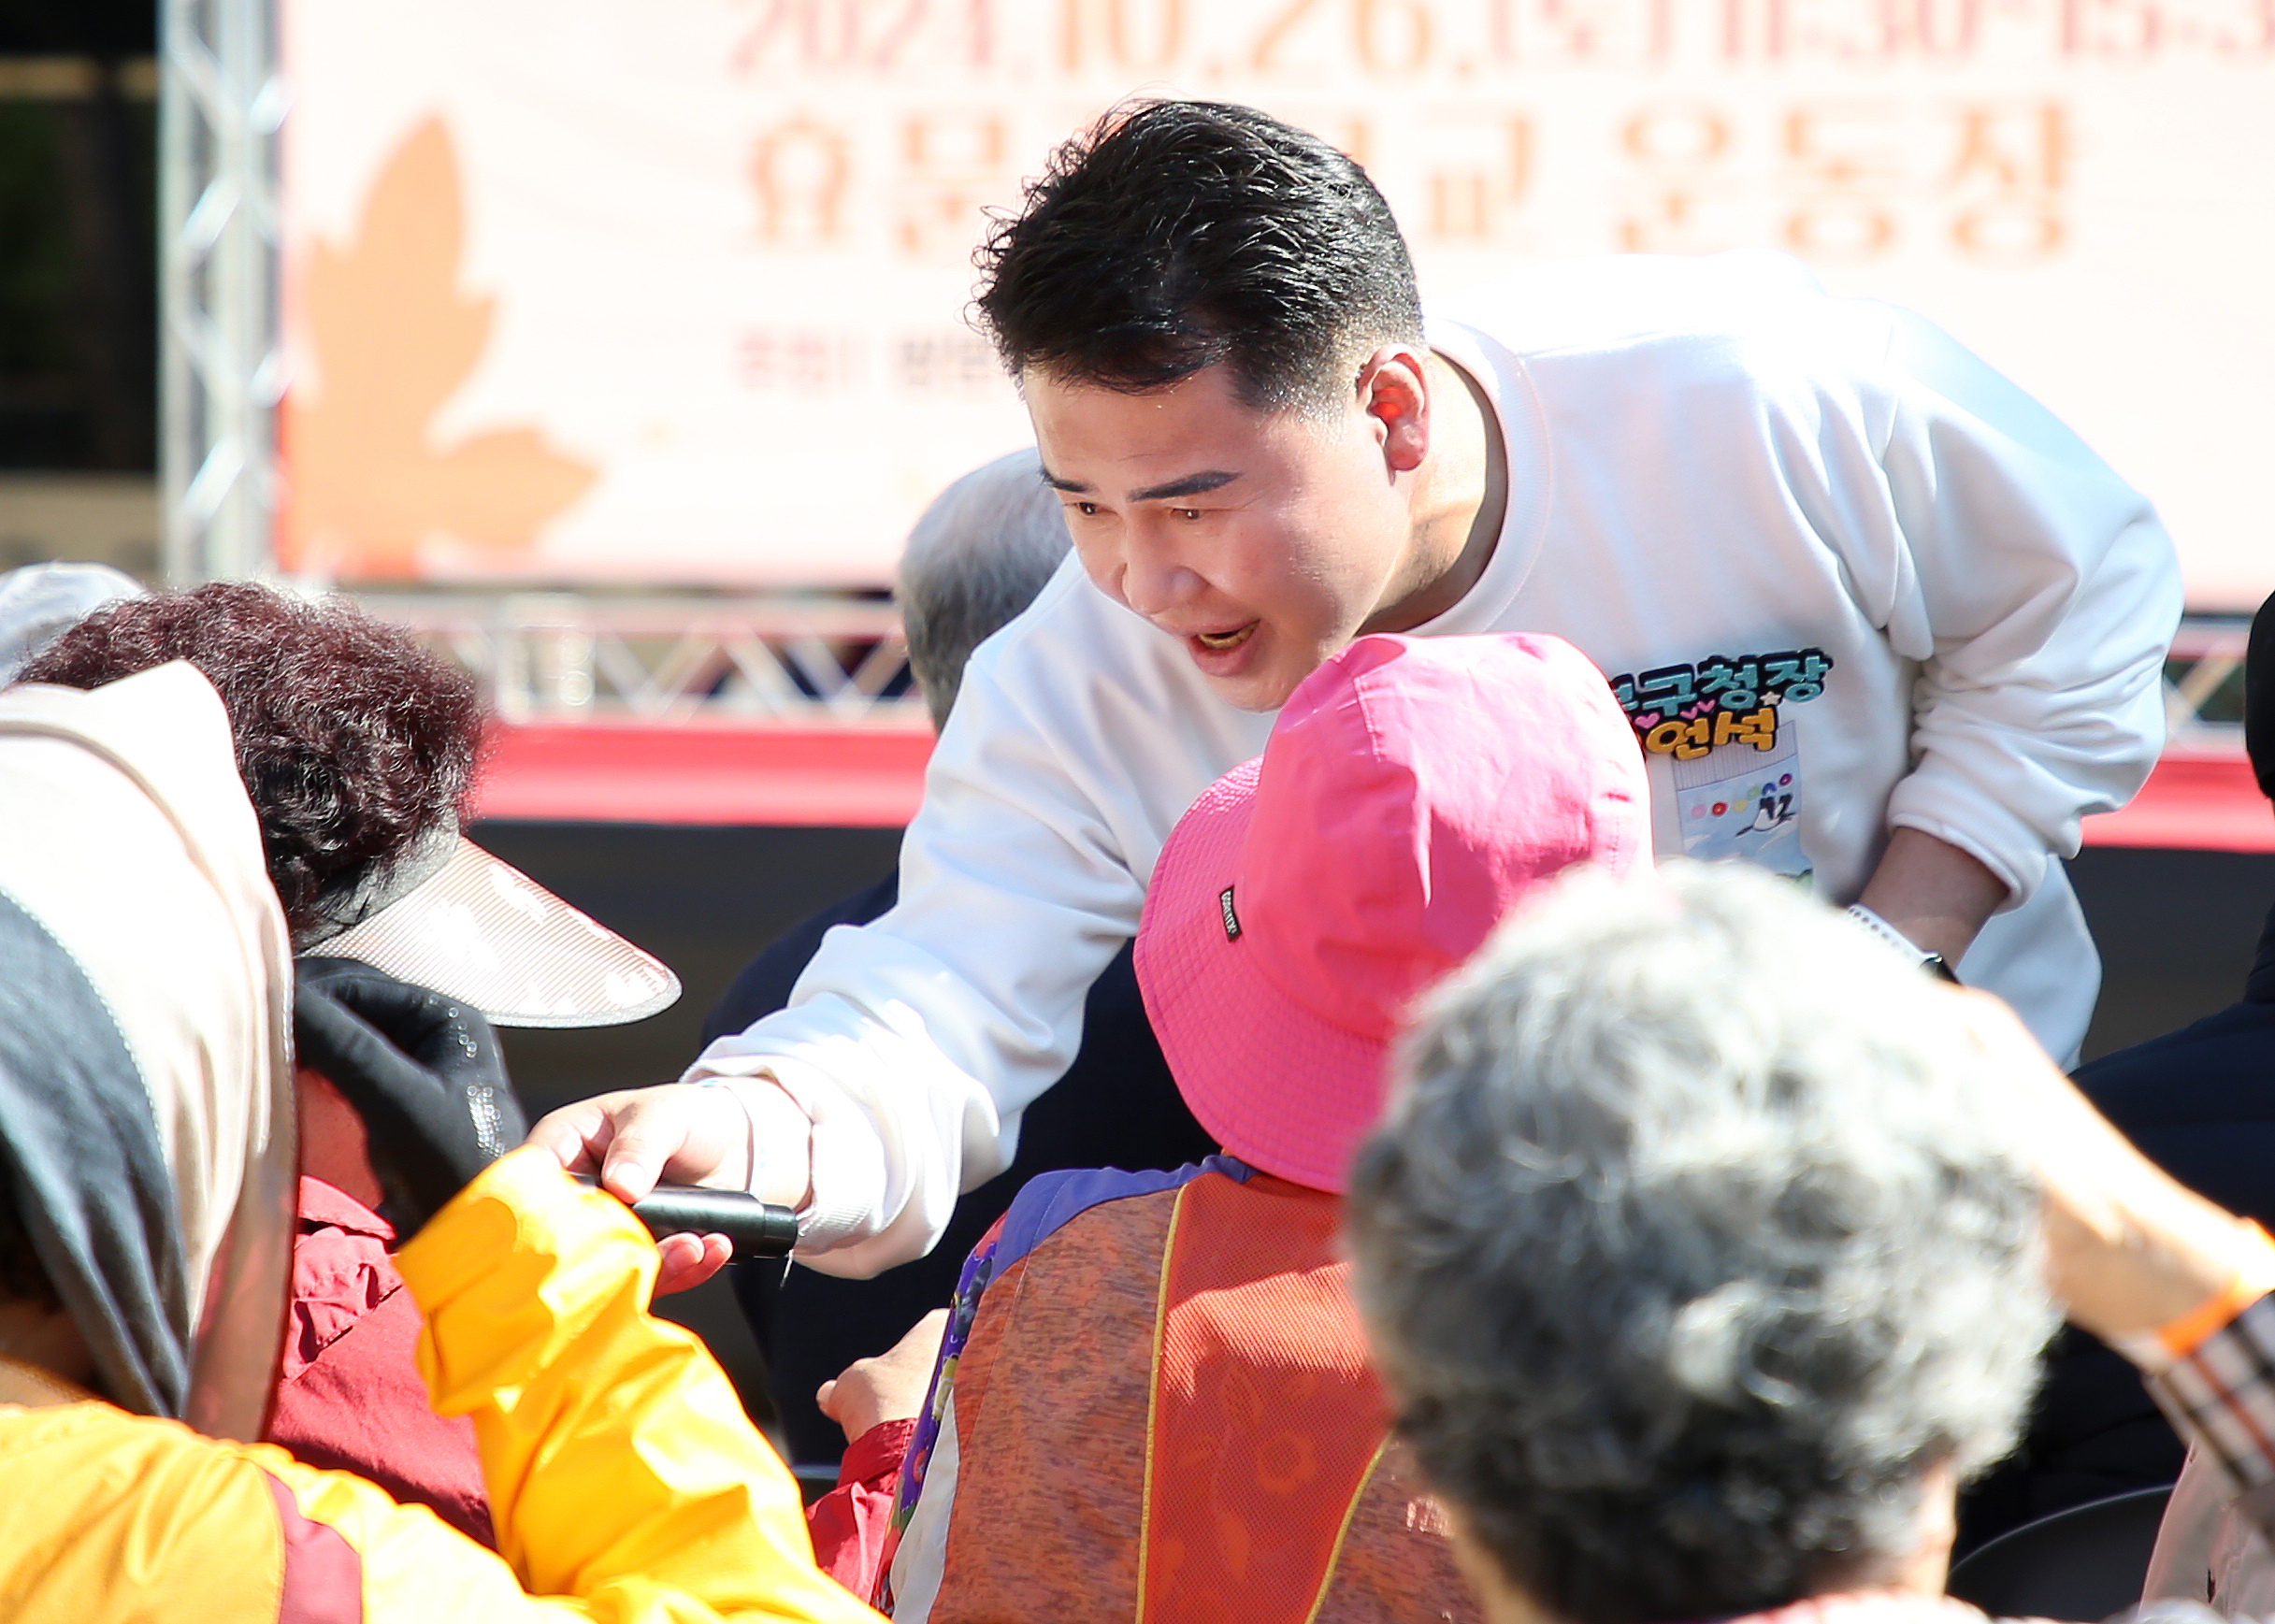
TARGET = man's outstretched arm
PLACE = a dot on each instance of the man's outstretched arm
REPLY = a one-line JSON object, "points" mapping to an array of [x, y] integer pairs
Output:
{"points": [[897, 1077]]}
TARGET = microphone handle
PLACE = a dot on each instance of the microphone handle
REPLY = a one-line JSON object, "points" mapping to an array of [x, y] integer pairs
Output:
{"points": [[757, 1228]]}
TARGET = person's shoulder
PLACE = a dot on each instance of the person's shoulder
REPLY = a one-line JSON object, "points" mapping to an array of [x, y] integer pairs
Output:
{"points": [[765, 983], [1052, 1200], [1069, 620], [1634, 305], [2187, 1068], [94, 1473]]}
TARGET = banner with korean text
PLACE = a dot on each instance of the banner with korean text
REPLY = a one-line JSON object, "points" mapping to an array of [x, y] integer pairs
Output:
{"points": [[588, 293]]}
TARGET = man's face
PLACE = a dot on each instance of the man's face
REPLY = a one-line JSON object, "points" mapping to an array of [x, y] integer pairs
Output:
{"points": [[1262, 540]]}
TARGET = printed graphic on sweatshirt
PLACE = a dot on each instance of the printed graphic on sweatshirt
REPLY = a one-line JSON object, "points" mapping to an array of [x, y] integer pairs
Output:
{"points": [[1711, 731], [1747, 806]]}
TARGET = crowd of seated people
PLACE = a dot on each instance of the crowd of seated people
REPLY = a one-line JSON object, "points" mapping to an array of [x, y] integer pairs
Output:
{"points": [[1670, 1292]]}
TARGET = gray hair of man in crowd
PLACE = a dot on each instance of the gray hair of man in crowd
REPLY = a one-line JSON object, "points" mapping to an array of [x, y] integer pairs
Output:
{"points": [[976, 558], [1695, 1251]]}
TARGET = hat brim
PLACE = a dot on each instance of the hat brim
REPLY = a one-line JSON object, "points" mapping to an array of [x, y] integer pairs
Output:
{"points": [[1282, 1088], [484, 932]]}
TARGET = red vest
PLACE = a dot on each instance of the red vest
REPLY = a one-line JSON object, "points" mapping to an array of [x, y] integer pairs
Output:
{"points": [[1164, 1414]]}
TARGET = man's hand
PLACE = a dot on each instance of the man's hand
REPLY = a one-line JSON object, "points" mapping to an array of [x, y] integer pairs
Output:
{"points": [[1934, 893], [889, 1388], [634, 1140], [2127, 1247]]}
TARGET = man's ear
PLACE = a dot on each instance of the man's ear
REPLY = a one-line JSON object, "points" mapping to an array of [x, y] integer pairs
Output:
{"points": [[1393, 393]]}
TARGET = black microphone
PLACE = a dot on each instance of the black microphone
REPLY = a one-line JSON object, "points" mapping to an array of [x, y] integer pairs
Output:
{"points": [[757, 1228]]}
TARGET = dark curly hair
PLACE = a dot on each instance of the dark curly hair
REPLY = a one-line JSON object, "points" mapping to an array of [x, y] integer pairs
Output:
{"points": [[1173, 235], [353, 742]]}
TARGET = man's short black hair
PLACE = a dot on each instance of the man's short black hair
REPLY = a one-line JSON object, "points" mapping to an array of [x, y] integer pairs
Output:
{"points": [[1173, 235]]}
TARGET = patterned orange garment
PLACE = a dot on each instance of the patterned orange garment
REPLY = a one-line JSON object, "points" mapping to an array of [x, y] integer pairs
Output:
{"points": [[1163, 1412]]}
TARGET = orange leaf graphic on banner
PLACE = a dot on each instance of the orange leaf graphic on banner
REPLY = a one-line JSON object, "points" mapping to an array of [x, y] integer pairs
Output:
{"points": [[394, 337]]}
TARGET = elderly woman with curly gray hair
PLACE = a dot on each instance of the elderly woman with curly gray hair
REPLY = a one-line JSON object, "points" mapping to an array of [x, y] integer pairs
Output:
{"points": [[1708, 1248]]}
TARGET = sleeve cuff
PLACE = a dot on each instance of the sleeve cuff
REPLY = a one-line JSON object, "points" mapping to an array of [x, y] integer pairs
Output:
{"points": [[2222, 1397], [2018, 864], [874, 1458], [521, 1195], [848, 1167]]}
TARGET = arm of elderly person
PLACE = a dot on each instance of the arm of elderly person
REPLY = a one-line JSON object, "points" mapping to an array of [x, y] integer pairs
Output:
{"points": [[624, 1478], [617, 1458], [2174, 1282], [624, 1481], [877, 1402]]}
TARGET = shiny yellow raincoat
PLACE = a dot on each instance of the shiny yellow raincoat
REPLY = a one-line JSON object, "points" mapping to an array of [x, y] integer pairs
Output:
{"points": [[624, 1481]]}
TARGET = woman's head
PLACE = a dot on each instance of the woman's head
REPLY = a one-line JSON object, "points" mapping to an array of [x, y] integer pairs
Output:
{"points": [[1414, 792], [357, 749], [1692, 1252], [355, 744]]}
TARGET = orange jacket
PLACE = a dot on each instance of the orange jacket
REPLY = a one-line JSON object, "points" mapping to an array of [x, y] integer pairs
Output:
{"points": [[624, 1481]]}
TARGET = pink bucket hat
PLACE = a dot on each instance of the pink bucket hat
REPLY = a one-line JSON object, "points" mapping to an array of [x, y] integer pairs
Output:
{"points": [[1414, 791]]}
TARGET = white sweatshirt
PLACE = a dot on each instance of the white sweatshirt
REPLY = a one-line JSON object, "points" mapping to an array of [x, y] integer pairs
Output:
{"points": [[1844, 576]]}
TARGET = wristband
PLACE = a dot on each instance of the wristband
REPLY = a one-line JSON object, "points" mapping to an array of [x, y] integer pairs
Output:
{"points": [[2160, 1348], [1889, 936]]}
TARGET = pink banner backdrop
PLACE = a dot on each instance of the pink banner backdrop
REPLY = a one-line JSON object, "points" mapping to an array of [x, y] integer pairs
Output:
{"points": [[588, 293]]}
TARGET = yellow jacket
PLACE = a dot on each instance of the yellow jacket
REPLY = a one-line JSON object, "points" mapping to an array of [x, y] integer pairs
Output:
{"points": [[624, 1481]]}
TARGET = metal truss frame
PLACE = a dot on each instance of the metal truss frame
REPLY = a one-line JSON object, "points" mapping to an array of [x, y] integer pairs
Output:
{"points": [[2204, 684], [833, 661], [222, 103], [567, 657]]}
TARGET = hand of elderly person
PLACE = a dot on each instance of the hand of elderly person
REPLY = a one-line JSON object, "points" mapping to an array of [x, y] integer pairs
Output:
{"points": [[890, 1387], [423, 1071], [2128, 1248]]}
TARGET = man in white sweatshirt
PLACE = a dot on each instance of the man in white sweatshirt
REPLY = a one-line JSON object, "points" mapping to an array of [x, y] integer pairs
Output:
{"points": [[1882, 623]]}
